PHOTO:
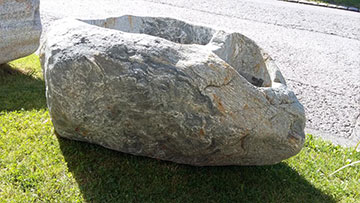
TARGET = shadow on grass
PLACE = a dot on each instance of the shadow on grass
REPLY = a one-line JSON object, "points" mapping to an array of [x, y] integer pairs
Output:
{"points": [[20, 90], [108, 176]]}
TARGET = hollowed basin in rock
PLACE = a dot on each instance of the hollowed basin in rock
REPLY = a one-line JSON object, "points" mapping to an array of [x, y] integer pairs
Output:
{"points": [[170, 90]]}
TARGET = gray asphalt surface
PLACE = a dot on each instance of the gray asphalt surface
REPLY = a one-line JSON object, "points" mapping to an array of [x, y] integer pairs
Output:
{"points": [[316, 48]]}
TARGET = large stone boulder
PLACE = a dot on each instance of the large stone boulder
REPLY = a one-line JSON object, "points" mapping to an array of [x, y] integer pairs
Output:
{"points": [[20, 28], [176, 92]]}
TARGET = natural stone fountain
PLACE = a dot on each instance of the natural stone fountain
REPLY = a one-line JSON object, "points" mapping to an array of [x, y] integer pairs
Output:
{"points": [[166, 89]]}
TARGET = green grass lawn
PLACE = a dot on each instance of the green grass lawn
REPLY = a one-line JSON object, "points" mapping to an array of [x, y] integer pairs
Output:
{"points": [[35, 165], [353, 3]]}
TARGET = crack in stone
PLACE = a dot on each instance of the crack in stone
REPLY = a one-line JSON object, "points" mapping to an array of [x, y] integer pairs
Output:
{"points": [[218, 86]]}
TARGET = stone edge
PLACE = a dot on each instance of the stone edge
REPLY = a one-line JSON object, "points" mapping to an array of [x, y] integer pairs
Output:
{"points": [[313, 3]]}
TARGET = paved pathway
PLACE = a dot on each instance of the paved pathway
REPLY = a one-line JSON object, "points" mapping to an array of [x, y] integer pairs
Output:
{"points": [[316, 48]]}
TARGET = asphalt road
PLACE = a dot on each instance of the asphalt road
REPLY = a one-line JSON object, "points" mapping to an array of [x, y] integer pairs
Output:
{"points": [[316, 48]]}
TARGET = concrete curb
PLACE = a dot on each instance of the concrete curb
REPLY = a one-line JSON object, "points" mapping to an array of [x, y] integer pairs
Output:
{"points": [[313, 3]]}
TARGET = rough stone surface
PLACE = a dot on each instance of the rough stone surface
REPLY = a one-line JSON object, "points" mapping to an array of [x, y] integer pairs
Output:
{"points": [[193, 95], [20, 28], [316, 48]]}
